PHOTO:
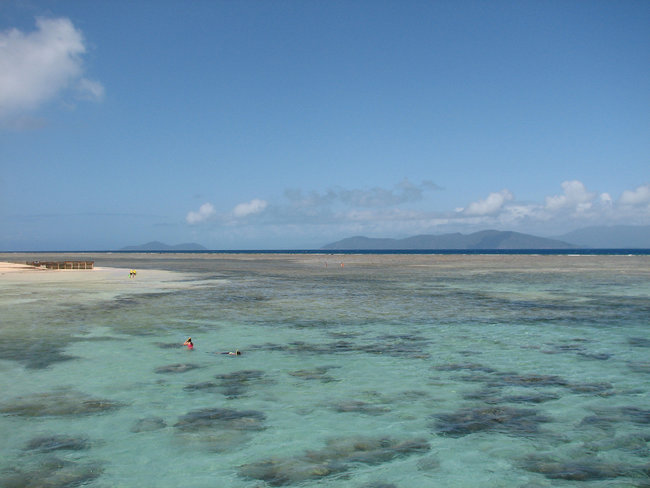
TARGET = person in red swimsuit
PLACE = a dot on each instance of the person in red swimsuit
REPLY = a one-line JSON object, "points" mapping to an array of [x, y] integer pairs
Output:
{"points": [[189, 343]]}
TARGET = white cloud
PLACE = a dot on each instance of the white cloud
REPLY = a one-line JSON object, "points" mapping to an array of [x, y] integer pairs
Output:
{"points": [[37, 66], [376, 213], [636, 197], [575, 207], [575, 197], [255, 206], [205, 212], [489, 206], [605, 199]]}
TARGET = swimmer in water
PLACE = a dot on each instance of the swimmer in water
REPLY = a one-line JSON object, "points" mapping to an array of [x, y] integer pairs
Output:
{"points": [[236, 353], [189, 343]]}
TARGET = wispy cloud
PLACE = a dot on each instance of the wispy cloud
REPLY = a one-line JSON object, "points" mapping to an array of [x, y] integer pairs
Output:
{"points": [[403, 192], [90, 90], [253, 207], [36, 67]]}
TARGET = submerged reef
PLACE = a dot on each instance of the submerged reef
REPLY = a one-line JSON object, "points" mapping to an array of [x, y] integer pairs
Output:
{"points": [[208, 386], [642, 367], [220, 429], [401, 346], [51, 473], [494, 380], [608, 418], [221, 418], [238, 383], [584, 469], [176, 368], [575, 346], [148, 424], [635, 444], [639, 341], [57, 403], [378, 484], [57, 443], [338, 456], [502, 419], [358, 406], [319, 374], [169, 345], [464, 367], [493, 397], [34, 352]]}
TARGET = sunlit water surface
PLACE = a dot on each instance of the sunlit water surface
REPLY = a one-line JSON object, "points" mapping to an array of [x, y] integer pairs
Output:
{"points": [[388, 371]]}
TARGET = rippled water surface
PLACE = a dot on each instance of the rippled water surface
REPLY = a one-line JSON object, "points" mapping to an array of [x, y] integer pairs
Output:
{"points": [[368, 371]]}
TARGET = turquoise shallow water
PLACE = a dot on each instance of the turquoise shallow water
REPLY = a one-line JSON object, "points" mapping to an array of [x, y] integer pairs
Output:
{"points": [[389, 371]]}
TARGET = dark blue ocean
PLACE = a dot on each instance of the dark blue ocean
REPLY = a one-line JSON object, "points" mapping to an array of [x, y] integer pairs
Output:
{"points": [[514, 252]]}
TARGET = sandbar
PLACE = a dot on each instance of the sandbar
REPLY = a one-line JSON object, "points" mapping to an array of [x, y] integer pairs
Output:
{"points": [[118, 278]]}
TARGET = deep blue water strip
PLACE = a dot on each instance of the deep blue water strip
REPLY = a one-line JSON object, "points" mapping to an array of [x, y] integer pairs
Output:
{"points": [[562, 252]]}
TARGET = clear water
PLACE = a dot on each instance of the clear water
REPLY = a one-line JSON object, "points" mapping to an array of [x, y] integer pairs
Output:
{"points": [[389, 371]]}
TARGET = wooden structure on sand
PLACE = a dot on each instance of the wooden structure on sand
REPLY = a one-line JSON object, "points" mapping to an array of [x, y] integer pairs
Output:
{"points": [[62, 264]]}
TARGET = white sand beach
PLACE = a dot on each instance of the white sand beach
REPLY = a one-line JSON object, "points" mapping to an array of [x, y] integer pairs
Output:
{"points": [[12, 268], [72, 286], [26, 272]]}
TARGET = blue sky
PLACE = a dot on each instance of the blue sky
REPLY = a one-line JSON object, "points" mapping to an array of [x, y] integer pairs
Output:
{"points": [[291, 124]]}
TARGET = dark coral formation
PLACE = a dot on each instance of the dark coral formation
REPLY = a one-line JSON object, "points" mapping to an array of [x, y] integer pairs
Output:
{"points": [[221, 418], [635, 444], [494, 380], [168, 345], [642, 367], [585, 469], [51, 473], [502, 419], [606, 419], [36, 352], [207, 386], [238, 383], [219, 429], [58, 403], [176, 368], [338, 456], [401, 346], [57, 443], [639, 341], [493, 397], [280, 472], [148, 424], [318, 374], [465, 367], [358, 406]]}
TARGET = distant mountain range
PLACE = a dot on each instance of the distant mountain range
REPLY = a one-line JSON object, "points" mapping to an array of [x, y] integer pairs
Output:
{"points": [[160, 246], [487, 239], [603, 237]]}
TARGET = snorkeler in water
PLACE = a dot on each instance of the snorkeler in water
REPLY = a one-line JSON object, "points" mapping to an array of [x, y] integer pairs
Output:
{"points": [[236, 353]]}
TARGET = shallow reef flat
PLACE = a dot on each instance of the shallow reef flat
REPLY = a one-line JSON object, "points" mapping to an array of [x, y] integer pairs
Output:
{"points": [[391, 371]]}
